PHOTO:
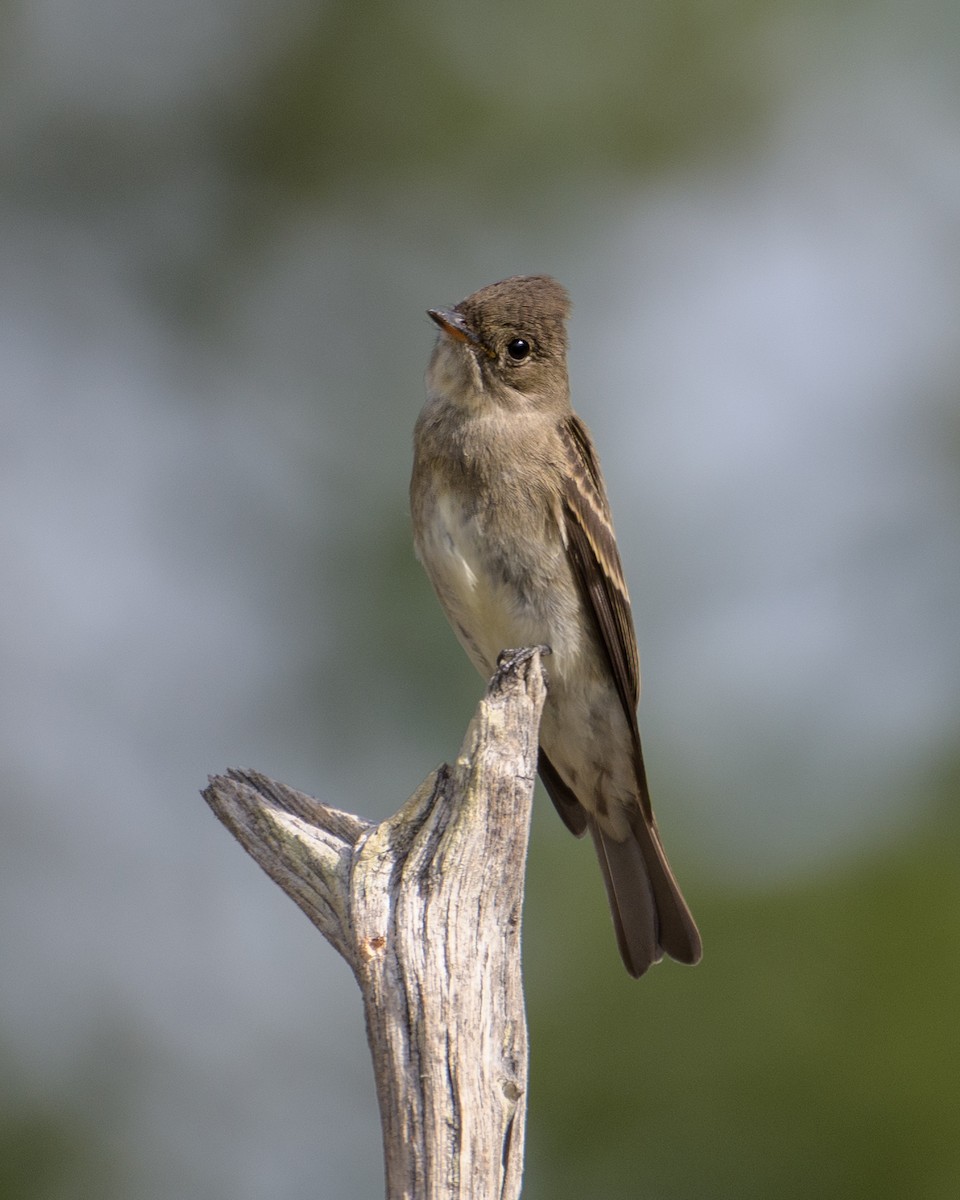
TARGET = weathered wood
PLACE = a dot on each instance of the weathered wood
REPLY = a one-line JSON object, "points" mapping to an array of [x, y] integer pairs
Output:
{"points": [[426, 909]]}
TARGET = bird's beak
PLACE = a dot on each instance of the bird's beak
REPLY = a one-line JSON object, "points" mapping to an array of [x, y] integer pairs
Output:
{"points": [[453, 324]]}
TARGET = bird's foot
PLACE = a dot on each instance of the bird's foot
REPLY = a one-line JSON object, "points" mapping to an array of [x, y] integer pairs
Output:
{"points": [[510, 660]]}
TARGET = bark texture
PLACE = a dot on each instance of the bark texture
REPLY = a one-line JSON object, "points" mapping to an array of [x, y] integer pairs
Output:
{"points": [[426, 909]]}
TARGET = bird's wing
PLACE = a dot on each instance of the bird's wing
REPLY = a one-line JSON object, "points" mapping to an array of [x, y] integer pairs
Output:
{"points": [[588, 530]]}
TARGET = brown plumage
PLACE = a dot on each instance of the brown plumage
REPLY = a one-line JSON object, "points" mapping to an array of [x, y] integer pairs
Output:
{"points": [[512, 524]]}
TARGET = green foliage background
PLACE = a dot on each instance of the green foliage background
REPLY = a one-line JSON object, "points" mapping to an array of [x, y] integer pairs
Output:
{"points": [[814, 1052]]}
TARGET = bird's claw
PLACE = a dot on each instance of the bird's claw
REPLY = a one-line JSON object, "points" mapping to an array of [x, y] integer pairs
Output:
{"points": [[510, 660]]}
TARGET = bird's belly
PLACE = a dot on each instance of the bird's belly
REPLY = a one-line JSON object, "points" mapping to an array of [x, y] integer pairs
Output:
{"points": [[498, 597], [525, 596]]}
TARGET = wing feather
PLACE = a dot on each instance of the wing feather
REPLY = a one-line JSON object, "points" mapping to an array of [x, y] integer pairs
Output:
{"points": [[588, 528]]}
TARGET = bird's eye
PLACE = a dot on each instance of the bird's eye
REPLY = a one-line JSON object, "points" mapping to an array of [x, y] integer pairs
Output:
{"points": [[518, 349]]}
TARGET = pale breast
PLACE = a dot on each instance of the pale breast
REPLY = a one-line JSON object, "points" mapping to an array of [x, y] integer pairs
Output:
{"points": [[499, 591]]}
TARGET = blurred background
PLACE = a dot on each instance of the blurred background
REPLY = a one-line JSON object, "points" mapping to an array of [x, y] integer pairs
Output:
{"points": [[221, 222]]}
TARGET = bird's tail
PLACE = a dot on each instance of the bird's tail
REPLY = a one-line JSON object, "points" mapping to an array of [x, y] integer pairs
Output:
{"points": [[650, 915]]}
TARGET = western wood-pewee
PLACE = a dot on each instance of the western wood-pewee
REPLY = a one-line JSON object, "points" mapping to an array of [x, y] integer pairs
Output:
{"points": [[512, 524]]}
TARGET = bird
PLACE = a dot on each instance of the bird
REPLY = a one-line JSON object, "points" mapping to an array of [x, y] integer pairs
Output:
{"points": [[512, 524]]}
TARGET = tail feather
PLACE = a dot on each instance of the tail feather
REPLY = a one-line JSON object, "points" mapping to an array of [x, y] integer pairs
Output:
{"points": [[631, 899], [650, 915]]}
